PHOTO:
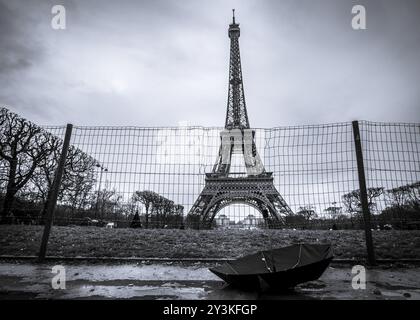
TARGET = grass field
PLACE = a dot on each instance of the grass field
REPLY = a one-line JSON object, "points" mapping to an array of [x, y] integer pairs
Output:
{"points": [[101, 242]]}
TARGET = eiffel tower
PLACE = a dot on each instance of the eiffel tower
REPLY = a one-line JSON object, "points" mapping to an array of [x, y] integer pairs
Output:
{"points": [[223, 187]]}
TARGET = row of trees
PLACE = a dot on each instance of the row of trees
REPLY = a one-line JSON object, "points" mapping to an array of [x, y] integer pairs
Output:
{"points": [[159, 211], [28, 158], [403, 206], [29, 155], [402, 209]]}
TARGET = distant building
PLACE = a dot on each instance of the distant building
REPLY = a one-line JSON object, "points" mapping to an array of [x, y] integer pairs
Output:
{"points": [[222, 221], [251, 222]]}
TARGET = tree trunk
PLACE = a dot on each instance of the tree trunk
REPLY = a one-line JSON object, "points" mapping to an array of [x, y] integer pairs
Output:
{"points": [[8, 203], [44, 207], [147, 217], [11, 190]]}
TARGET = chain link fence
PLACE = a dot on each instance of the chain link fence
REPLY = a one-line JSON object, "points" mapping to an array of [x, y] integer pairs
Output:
{"points": [[148, 178]]}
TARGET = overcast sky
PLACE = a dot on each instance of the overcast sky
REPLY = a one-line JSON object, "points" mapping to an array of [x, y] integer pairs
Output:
{"points": [[156, 63]]}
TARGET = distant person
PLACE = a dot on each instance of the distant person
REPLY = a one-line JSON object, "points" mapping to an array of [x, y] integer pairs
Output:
{"points": [[136, 223], [10, 219]]}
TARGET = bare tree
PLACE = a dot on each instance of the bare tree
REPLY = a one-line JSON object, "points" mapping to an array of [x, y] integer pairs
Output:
{"points": [[353, 202], [414, 194], [77, 182], [308, 212], [43, 175], [147, 198], [107, 203], [163, 210], [333, 211], [23, 146], [79, 176], [398, 196], [164, 207]]}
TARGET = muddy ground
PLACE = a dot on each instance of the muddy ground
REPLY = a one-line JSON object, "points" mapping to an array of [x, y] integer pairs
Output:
{"points": [[19, 280], [18, 240]]}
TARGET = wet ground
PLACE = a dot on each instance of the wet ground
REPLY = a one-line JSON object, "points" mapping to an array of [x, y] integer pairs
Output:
{"points": [[191, 281]]}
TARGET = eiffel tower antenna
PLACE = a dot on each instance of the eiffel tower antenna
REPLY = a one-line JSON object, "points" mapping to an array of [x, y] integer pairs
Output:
{"points": [[236, 114]]}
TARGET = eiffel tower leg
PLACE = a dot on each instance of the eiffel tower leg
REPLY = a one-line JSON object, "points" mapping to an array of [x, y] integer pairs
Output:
{"points": [[197, 210], [204, 210], [268, 214], [274, 207], [280, 205], [209, 213]]}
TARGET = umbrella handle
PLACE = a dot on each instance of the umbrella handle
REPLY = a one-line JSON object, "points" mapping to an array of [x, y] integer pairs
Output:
{"points": [[300, 253], [266, 265]]}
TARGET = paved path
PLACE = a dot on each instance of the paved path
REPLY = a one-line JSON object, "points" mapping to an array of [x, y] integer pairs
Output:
{"points": [[190, 281]]}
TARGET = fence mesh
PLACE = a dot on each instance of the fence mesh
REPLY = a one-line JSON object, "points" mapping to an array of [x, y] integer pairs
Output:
{"points": [[314, 169], [392, 167], [150, 177], [312, 166]]}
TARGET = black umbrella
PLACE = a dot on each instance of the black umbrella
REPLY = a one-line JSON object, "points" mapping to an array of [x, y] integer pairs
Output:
{"points": [[279, 268]]}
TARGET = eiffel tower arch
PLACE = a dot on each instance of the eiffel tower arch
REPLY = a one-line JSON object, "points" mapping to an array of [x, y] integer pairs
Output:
{"points": [[224, 187]]}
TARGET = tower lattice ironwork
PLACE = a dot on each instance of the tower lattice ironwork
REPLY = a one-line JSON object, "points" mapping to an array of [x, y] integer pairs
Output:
{"points": [[223, 187]]}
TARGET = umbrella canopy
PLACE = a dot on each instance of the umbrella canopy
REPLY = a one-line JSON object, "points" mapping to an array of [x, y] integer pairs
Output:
{"points": [[278, 268]]}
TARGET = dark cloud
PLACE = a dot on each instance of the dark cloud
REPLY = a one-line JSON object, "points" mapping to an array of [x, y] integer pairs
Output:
{"points": [[17, 50]]}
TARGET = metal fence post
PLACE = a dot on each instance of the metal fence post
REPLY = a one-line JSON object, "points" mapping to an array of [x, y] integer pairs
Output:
{"points": [[363, 193], [54, 194]]}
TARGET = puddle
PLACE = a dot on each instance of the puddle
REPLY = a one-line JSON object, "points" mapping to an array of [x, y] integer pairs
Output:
{"points": [[182, 281], [139, 292]]}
